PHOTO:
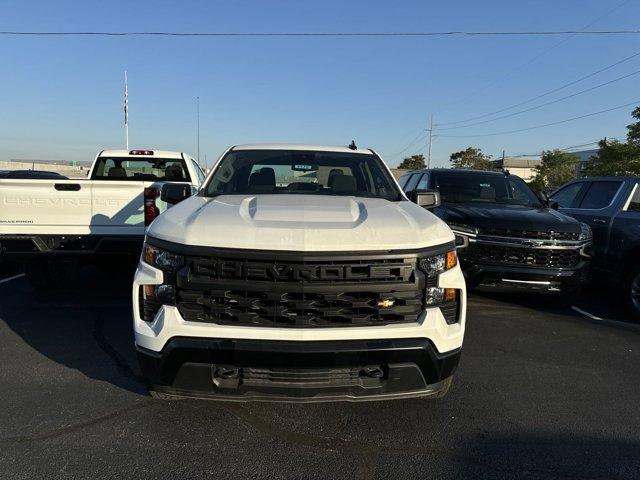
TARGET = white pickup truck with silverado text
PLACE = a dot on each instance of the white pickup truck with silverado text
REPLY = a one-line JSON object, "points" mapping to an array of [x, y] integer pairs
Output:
{"points": [[51, 225], [299, 273]]}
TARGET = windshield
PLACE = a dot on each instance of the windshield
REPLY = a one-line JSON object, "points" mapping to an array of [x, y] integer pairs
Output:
{"points": [[150, 169], [302, 172], [478, 187]]}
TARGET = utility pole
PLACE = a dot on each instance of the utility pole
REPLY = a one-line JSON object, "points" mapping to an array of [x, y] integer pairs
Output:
{"points": [[430, 130], [126, 111], [198, 126]]}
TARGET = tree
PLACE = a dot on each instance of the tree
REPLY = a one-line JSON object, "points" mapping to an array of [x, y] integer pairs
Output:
{"points": [[414, 162], [472, 158], [556, 169], [618, 158]]}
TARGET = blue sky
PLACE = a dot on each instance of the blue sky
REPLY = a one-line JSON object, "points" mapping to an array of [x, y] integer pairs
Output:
{"points": [[61, 98]]}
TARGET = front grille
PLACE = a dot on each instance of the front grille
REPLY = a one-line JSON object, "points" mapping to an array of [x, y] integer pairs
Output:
{"points": [[539, 257], [299, 309], [294, 292], [532, 234]]}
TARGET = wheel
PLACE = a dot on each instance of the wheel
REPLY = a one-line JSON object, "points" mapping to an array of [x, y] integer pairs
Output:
{"points": [[39, 273], [632, 293]]}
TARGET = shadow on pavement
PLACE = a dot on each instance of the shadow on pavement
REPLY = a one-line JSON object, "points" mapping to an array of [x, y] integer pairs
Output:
{"points": [[84, 324]]}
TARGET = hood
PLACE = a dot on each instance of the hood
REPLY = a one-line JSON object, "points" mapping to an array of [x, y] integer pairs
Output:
{"points": [[311, 223], [515, 217]]}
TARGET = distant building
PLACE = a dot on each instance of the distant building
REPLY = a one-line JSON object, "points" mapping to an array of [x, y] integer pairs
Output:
{"points": [[522, 167]]}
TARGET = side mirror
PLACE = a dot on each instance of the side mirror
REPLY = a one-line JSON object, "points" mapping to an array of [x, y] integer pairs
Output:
{"points": [[426, 198], [553, 204], [173, 193]]}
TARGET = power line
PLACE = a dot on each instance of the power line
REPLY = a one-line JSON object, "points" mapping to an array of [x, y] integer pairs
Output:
{"points": [[540, 55], [544, 125], [565, 149], [421, 136], [547, 93], [545, 104], [322, 34]]}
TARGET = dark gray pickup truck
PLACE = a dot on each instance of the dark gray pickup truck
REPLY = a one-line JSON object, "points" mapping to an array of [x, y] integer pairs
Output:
{"points": [[611, 207]]}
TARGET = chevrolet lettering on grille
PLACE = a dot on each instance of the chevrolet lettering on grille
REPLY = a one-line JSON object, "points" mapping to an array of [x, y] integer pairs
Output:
{"points": [[244, 270]]}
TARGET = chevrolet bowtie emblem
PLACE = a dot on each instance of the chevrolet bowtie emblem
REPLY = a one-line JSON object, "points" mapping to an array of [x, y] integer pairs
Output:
{"points": [[386, 303]]}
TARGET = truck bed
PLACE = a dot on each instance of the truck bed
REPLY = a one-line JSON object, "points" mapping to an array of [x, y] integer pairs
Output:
{"points": [[73, 207]]}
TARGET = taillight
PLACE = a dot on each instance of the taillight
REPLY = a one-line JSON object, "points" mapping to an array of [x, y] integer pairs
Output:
{"points": [[151, 211], [140, 152]]}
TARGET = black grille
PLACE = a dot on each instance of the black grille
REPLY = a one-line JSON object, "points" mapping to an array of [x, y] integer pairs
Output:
{"points": [[533, 234], [552, 258], [299, 309], [147, 308]]}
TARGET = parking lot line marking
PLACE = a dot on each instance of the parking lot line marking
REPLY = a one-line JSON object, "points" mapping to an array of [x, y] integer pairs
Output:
{"points": [[586, 314], [5, 280]]}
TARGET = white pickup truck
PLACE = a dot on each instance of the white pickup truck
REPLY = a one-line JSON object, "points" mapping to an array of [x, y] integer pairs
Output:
{"points": [[51, 225], [304, 273]]}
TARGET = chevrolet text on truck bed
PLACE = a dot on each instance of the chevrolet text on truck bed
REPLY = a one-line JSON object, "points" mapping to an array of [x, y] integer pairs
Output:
{"points": [[51, 224], [299, 273]]}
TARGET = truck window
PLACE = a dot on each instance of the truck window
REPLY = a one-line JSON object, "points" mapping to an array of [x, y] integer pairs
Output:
{"points": [[600, 195], [479, 187], [634, 202], [412, 183], [423, 184], [567, 195], [403, 180], [137, 169], [302, 172]]}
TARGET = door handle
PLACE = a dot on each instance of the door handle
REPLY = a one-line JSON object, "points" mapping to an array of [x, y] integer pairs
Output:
{"points": [[599, 220], [67, 187]]}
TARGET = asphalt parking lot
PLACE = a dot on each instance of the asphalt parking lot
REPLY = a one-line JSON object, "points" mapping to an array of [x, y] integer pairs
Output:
{"points": [[540, 393]]}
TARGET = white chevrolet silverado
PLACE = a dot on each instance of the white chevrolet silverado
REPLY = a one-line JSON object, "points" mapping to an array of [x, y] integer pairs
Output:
{"points": [[299, 273], [51, 225]]}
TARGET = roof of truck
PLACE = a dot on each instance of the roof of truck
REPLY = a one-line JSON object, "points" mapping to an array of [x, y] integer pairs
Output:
{"points": [[294, 146], [156, 153]]}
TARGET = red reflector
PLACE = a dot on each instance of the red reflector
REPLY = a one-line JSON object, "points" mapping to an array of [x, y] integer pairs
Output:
{"points": [[151, 193], [150, 214], [151, 211], [141, 152]]}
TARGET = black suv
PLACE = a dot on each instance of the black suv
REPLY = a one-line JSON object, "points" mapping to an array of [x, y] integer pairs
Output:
{"points": [[508, 237]]}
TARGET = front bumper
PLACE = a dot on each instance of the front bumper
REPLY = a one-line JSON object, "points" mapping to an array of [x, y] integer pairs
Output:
{"points": [[249, 370], [520, 278]]}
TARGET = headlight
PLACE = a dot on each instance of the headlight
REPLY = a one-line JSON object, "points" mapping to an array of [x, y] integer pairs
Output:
{"points": [[585, 232], [162, 259], [437, 264]]}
